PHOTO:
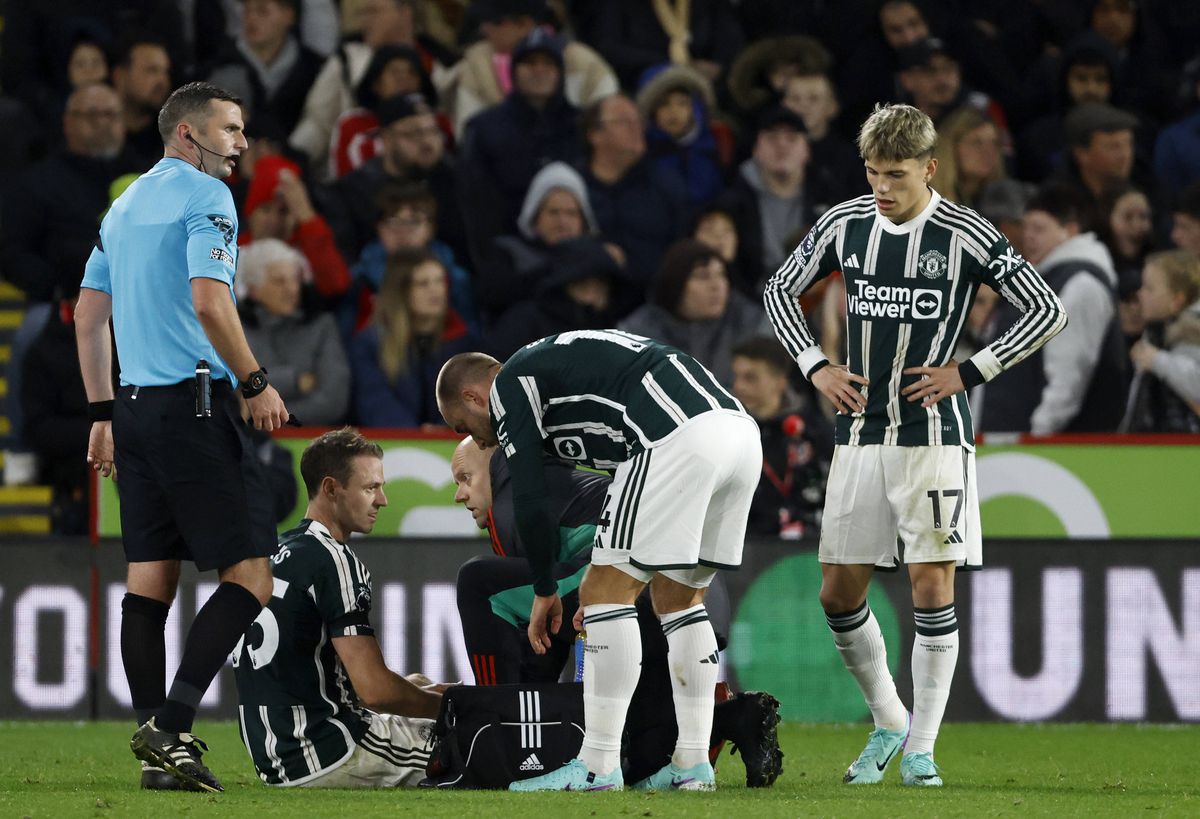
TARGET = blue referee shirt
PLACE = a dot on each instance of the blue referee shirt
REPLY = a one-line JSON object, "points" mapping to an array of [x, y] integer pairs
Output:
{"points": [[173, 224]]}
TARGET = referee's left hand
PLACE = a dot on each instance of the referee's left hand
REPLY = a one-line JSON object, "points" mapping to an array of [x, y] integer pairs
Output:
{"points": [[545, 611], [936, 383], [100, 449]]}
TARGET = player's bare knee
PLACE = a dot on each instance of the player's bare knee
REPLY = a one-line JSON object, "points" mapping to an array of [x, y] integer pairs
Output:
{"points": [[669, 596], [932, 585], [607, 584]]}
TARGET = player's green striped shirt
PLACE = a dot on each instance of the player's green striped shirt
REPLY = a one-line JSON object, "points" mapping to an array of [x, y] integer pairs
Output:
{"points": [[909, 288], [299, 715], [596, 398]]}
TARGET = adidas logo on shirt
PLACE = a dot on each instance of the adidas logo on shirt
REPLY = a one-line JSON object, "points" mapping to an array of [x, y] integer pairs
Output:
{"points": [[851, 262], [532, 763]]}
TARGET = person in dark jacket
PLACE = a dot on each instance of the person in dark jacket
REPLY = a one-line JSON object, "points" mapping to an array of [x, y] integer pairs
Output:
{"points": [[556, 209], [414, 150], [504, 146], [269, 67], [52, 212], [797, 441], [395, 360], [1076, 383], [640, 207], [773, 196], [55, 407], [575, 292]]}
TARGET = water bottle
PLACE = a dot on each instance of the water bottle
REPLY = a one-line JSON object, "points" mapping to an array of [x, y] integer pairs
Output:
{"points": [[580, 643]]}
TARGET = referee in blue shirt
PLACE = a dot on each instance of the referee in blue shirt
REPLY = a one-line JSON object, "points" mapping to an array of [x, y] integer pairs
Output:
{"points": [[191, 487]]}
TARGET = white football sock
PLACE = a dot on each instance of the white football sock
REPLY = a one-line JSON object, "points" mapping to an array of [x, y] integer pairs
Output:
{"points": [[860, 642], [611, 667], [693, 661], [934, 655]]}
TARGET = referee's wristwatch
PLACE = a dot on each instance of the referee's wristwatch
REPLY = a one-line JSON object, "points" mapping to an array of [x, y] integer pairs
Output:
{"points": [[254, 383]]}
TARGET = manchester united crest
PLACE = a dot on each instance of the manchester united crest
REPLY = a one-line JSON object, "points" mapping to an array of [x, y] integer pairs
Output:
{"points": [[932, 264]]}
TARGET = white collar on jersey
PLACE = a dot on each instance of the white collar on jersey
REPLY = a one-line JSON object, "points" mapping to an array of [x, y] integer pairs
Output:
{"points": [[913, 223]]}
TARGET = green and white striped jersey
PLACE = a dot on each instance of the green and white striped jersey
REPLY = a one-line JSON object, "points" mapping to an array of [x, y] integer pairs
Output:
{"points": [[298, 713], [909, 288], [596, 398]]}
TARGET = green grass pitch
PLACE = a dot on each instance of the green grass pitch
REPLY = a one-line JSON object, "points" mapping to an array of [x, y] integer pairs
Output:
{"points": [[58, 769]]}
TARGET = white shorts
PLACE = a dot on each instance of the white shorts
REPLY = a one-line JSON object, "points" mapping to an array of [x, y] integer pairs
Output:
{"points": [[392, 754], [680, 508], [923, 496]]}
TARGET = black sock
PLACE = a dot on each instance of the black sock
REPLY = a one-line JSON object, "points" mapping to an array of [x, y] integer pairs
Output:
{"points": [[144, 652], [217, 628]]}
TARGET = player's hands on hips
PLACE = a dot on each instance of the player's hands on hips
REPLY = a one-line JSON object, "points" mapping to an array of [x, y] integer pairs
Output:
{"points": [[100, 449], [936, 383], [546, 611], [840, 386], [577, 620], [267, 410]]}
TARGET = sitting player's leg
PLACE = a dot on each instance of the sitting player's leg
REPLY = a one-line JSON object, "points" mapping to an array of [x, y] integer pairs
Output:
{"points": [[859, 531], [392, 754]]}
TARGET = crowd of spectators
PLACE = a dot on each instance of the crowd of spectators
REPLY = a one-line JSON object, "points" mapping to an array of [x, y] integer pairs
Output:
{"points": [[429, 176]]}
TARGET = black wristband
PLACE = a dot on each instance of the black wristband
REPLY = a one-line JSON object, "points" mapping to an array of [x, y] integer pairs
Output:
{"points": [[100, 410], [813, 371], [255, 383], [970, 374]]}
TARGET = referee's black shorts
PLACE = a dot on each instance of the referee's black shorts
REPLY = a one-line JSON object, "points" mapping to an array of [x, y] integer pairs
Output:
{"points": [[190, 488]]}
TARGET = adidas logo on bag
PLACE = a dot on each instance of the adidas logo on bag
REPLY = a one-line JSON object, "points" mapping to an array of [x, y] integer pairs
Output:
{"points": [[532, 763]]}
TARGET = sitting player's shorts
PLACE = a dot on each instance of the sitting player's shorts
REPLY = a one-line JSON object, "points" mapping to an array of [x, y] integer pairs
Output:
{"points": [[392, 754], [924, 496], [680, 508]]}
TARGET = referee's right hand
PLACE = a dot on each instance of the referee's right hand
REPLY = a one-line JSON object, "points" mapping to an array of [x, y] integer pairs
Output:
{"points": [[267, 410]]}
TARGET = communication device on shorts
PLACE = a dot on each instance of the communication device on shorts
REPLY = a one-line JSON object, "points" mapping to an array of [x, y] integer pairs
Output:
{"points": [[203, 390]]}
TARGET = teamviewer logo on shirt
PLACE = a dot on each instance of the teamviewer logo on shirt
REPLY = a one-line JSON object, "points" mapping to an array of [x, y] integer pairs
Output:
{"points": [[570, 447], [926, 304]]}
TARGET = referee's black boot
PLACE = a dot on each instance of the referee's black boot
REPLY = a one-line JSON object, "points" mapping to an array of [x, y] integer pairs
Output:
{"points": [[177, 754], [750, 722]]}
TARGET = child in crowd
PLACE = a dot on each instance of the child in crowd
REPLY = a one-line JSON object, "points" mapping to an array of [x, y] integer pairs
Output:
{"points": [[1165, 395], [675, 102]]}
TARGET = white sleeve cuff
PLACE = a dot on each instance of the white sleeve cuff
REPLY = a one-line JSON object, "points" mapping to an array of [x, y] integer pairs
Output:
{"points": [[809, 359], [986, 362]]}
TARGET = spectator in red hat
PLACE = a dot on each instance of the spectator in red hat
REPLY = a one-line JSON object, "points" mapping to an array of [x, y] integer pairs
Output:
{"points": [[277, 206]]}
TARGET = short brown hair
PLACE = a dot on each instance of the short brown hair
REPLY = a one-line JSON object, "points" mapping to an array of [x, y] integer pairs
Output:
{"points": [[190, 100], [894, 133], [332, 455]]}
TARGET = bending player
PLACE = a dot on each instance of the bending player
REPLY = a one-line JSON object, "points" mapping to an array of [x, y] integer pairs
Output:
{"points": [[495, 596]]}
